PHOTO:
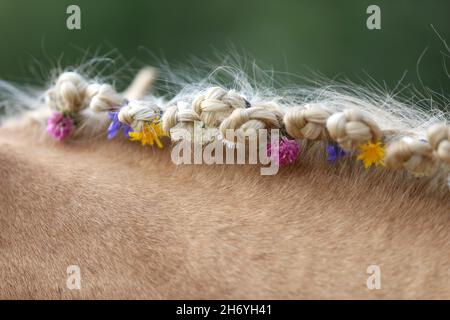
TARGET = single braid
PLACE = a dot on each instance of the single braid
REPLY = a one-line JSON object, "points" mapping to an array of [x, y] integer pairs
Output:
{"points": [[68, 93], [352, 128], [413, 155], [73, 93], [439, 137], [307, 122], [266, 116], [137, 112], [174, 116], [103, 97], [216, 104]]}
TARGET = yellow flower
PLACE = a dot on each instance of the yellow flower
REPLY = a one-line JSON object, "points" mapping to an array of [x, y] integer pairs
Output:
{"points": [[149, 134], [371, 154]]}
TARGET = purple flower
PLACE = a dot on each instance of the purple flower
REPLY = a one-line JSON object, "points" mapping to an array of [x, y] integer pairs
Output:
{"points": [[288, 151], [59, 125], [116, 125], [335, 152]]}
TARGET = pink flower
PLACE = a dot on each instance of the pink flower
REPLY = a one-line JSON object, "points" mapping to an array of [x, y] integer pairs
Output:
{"points": [[288, 151], [59, 126]]}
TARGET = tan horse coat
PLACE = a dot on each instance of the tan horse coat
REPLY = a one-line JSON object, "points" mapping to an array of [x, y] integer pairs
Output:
{"points": [[140, 227]]}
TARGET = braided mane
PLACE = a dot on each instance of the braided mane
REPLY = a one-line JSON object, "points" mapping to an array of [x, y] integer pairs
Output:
{"points": [[380, 132]]}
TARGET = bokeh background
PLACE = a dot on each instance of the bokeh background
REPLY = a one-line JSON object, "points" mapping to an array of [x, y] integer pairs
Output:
{"points": [[326, 36]]}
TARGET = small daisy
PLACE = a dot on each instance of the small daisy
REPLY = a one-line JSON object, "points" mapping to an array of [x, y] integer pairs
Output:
{"points": [[335, 152], [371, 154], [149, 135], [116, 125]]}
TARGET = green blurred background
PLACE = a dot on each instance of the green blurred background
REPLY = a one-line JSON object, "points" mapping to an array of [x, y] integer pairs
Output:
{"points": [[328, 36]]}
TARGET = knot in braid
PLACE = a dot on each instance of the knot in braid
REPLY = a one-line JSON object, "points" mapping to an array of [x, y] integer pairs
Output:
{"points": [[307, 122], [174, 116], [439, 137], [103, 97], [413, 155], [351, 128], [68, 93], [216, 104], [253, 118], [137, 112], [73, 93]]}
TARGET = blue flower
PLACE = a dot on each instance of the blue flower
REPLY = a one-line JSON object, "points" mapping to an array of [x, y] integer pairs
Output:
{"points": [[335, 152], [116, 125]]}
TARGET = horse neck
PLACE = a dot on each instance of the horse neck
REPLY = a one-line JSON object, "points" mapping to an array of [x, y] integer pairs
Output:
{"points": [[96, 200]]}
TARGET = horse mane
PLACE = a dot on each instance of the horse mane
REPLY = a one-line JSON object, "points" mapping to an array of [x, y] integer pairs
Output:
{"points": [[412, 128]]}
